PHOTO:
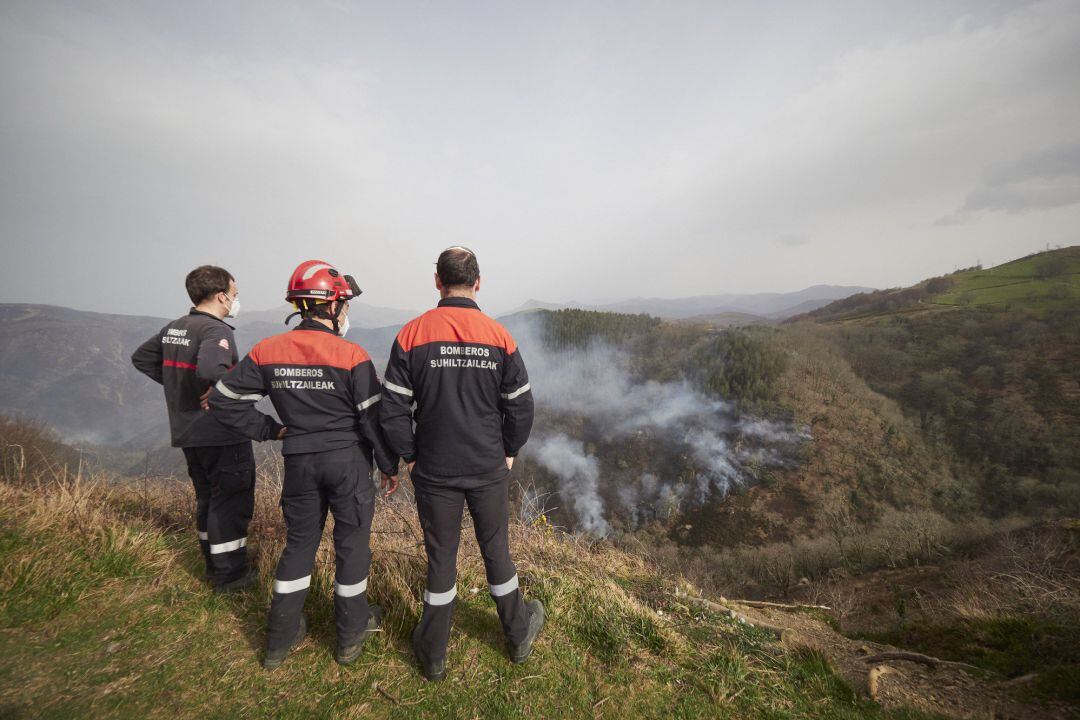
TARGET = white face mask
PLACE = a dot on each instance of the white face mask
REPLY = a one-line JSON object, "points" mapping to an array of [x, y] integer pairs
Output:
{"points": [[343, 327], [234, 309]]}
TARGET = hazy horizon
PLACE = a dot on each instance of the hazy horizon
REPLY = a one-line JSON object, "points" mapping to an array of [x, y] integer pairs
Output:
{"points": [[184, 303], [587, 152]]}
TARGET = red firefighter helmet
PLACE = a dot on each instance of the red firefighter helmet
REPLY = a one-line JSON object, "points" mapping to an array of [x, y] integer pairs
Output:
{"points": [[321, 281]]}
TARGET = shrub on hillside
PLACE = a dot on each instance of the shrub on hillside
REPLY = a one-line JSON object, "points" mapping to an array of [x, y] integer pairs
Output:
{"points": [[29, 449], [939, 285], [739, 364], [1051, 267]]}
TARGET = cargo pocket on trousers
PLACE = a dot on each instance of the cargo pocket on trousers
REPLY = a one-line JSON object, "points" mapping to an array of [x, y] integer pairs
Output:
{"points": [[236, 478]]}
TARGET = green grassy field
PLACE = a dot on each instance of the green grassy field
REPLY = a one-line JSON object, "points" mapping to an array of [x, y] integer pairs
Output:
{"points": [[1037, 281], [103, 615]]}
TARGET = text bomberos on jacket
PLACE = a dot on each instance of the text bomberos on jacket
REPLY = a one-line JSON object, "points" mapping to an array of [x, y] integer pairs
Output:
{"points": [[474, 357], [300, 372]]}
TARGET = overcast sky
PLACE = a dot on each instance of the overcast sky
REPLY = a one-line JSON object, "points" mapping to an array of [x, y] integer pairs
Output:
{"points": [[587, 151]]}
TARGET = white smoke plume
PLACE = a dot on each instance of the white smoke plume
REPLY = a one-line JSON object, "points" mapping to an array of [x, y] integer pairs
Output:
{"points": [[708, 448], [578, 474]]}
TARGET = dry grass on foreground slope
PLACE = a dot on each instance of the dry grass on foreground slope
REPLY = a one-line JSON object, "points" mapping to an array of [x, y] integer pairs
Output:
{"points": [[103, 614]]}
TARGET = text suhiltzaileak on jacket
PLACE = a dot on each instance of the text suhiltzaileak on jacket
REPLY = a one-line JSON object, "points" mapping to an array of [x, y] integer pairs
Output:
{"points": [[324, 388], [187, 356], [457, 395]]}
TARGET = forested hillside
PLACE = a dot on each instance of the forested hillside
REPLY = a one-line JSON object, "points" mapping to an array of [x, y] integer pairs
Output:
{"points": [[988, 363]]}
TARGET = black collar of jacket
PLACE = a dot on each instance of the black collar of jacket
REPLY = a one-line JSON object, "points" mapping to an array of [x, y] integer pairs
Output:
{"points": [[194, 311], [312, 324], [459, 302]]}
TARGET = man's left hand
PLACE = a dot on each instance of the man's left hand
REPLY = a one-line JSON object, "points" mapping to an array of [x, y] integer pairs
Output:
{"points": [[204, 399]]}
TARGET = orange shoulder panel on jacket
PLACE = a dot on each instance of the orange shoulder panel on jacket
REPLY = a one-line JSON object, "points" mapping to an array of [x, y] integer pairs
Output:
{"points": [[455, 324], [308, 347]]}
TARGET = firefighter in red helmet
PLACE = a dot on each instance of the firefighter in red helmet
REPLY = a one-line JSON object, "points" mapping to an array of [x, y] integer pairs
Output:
{"points": [[326, 392]]}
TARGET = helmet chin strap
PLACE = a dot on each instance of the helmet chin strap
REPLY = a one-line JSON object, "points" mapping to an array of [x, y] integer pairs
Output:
{"points": [[337, 314], [299, 307]]}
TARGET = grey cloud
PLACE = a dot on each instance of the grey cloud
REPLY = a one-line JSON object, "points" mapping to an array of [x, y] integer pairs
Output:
{"points": [[956, 218], [793, 240], [675, 150], [1046, 179]]}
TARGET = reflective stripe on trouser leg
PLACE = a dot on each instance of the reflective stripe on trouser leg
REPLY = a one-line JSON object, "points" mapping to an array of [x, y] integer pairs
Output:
{"points": [[440, 598], [227, 546], [286, 587], [489, 506], [232, 501], [352, 551], [440, 509], [503, 588], [305, 513]]}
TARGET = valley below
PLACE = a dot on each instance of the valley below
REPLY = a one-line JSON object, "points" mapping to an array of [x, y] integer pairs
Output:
{"points": [[894, 471]]}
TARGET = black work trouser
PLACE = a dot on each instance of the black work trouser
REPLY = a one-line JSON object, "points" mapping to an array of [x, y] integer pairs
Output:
{"points": [[440, 501], [338, 481], [224, 480]]}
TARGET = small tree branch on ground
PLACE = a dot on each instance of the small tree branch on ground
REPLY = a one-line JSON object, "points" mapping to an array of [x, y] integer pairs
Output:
{"points": [[782, 606], [915, 657]]}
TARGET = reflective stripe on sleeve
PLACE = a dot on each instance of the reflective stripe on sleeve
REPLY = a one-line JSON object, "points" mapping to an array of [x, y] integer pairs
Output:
{"points": [[224, 390], [228, 546], [203, 535], [350, 590], [397, 388], [523, 389], [442, 598], [283, 587], [369, 402], [504, 588]]}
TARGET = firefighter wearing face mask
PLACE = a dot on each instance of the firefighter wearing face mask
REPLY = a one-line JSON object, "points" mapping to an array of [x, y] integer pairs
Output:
{"points": [[187, 357], [327, 393]]}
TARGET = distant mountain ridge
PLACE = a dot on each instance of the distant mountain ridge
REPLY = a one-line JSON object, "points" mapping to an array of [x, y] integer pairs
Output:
{"points": [[771, 306], [72, 370]]}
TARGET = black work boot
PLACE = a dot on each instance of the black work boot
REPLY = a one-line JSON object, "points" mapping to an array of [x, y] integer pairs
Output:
{"points": [[274, 658], [241, 583], [348, 652], [520, 653], [434, 671]]}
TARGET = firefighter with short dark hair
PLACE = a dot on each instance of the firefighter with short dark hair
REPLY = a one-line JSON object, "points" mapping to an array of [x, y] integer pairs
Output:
{"points": [[187, 357], [326, 391], [458, 375]]}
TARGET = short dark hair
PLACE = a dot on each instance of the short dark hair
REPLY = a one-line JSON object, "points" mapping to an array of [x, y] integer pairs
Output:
{"points": [[206, 281], [457, 266]]}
